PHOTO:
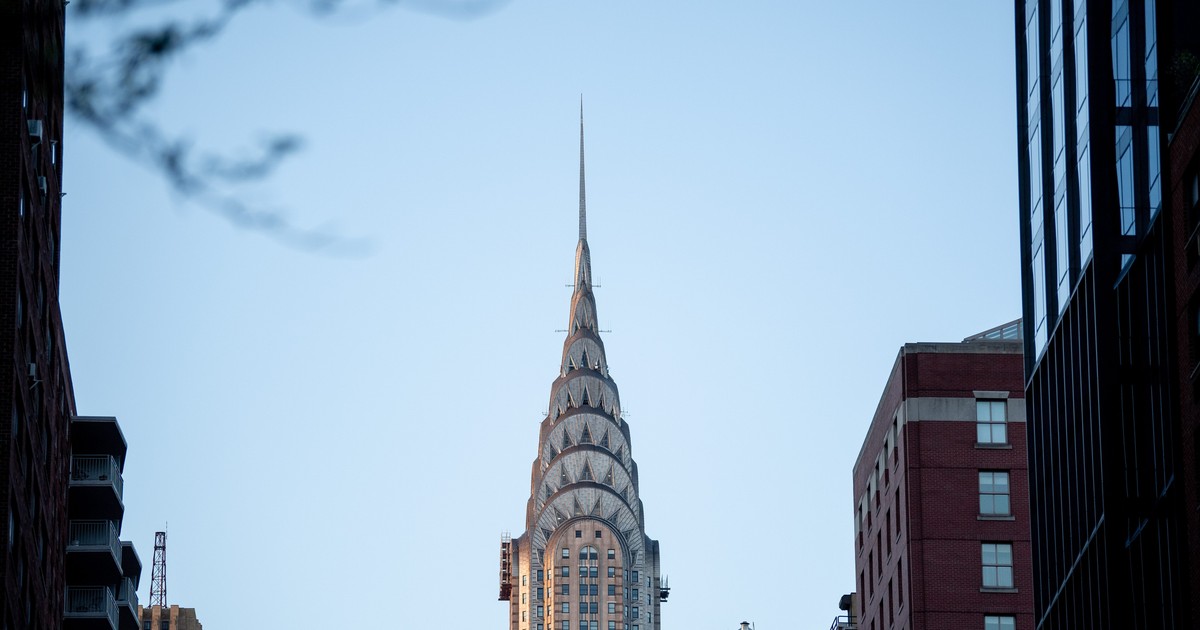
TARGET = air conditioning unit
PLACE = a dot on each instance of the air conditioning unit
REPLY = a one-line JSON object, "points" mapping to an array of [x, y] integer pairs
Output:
{"points": [[35, 129]]}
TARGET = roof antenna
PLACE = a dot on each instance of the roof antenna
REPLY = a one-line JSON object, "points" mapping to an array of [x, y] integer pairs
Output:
{"points": [[582, 188]]}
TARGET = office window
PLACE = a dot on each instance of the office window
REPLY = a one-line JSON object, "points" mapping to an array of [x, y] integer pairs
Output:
{"points": [[597, 533], [999, 622], [541, 611], [541, 592], [523, 599], [612, 571], [566, 589], [997, 565], [612, 589], [593, 589], [583, 624], [524, 580], [991, 422], [541, 627], [635, 593], [524, 615], [993, 493], [566, 553], [594, 571], [635, 576], [541, 575], [594, 607], [612, 608], [593, 625], [612, 625], [612, 554], [566, 571], [566, 607]]}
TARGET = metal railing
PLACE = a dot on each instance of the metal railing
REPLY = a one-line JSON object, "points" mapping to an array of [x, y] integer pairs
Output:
{"points": [[94, 534], [843, 622], [127, 594], [97, 470], [91, 602]]}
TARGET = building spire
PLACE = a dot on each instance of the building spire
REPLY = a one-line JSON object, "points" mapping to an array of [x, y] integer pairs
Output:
{"points": [[582, 188]]}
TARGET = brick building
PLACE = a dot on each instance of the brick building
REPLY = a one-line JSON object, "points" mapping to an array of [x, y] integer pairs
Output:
{"points": [[35, 380], [584, 561], [63, 564], [940, 489], [169, 618], [1183, 205]]}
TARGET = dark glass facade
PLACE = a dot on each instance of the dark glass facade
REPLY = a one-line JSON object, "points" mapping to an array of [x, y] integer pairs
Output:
{"points": [[1106, 501]]}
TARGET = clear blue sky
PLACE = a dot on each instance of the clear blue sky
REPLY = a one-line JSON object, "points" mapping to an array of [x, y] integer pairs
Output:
{"points": [[780, 194]]}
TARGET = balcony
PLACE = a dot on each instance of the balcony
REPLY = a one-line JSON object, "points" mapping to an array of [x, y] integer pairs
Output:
{"points": [[93, 553], [89, 608], [96, 487], [843, 622], [127, 605]]}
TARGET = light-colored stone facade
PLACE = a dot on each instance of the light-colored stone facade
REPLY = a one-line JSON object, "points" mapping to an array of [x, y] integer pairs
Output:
{"points": [[169, 618]]}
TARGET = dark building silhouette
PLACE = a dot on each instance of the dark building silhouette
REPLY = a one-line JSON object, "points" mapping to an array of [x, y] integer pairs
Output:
{"points": [[1183, 204], [63, 564], [941, 492], [1099, 87], [35, 381], [584, 561]]}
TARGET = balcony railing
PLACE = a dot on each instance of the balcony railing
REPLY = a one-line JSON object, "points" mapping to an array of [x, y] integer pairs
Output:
{"points": [[91, 602], [843, 622], [97, 470], [92, 535], [127, 594]]}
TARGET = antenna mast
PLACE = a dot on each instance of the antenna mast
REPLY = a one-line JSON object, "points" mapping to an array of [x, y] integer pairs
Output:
{"points": [[158, 575]]}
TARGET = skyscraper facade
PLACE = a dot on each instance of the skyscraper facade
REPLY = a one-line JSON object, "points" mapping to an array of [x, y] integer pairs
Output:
{"points": [[584, 561], [35, 380], [941, 492], [1096, 92]]}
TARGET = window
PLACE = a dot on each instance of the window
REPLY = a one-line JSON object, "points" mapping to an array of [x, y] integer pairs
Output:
{"points": [[592, 625], [524, 580], [594, 607], [565, 588], [597, 533], [541, 593], [594, 571], [523, 599], [541, 575], [524, 615], [991, 422], [612, 571], [993, 493], [587, 553], [635, 577], [999, 622], [565, 625], [578, 534], [541, 611], [566, 571], [612, 625], [612, 589], [997, 565], [612, 554], [900, 576], [635, 612], [612, 608], [566, 553], [541, 627], [593, 590], [566, 607], [583, 624], [635, 593]]}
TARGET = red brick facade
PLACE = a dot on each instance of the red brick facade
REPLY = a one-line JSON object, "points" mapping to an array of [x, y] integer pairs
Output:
{"points": [[36, 401], [919, 540]]}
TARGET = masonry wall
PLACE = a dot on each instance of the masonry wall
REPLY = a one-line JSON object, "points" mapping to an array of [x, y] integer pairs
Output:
{"points": [[918, 556]]}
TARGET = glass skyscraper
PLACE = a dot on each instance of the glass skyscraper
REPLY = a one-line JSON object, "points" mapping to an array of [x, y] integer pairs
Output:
{"points": [[1097, 92]]}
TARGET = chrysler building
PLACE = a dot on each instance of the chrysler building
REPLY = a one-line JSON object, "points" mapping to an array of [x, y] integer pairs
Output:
{"points": [[584, 561]]}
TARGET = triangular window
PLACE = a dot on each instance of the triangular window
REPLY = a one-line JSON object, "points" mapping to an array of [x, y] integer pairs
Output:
{"points": [[596, 508], [563, 480], [578, 511], [608, 479], [566, 441], [553, 452], [586, 474], [604, 439], [585, 361], [559, 517], [587, 400], [586, 436]]}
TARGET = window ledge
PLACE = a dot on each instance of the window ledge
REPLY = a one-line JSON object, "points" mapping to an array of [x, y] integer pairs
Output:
{"points": [[996, 589], [996, 517], [989, 445]]}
